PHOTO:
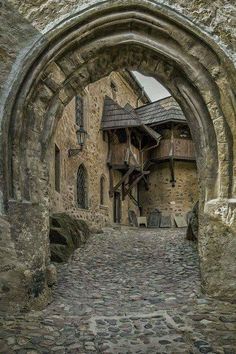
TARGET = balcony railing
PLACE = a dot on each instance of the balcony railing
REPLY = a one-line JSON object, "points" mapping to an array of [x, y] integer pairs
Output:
{"points": [[122, 154], [183, 149]]}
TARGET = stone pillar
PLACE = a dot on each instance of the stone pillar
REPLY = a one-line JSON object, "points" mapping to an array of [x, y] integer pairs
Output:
{"points": [[24, 245], [217, 248]]}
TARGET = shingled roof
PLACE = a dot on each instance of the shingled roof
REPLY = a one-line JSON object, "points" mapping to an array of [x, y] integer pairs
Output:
{"points": [[116, 117], [161, 111]]}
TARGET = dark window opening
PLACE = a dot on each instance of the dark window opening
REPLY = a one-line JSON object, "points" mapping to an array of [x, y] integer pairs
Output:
{"points": [[82, 188], [122, 136], [57, 168], [134, 140]]}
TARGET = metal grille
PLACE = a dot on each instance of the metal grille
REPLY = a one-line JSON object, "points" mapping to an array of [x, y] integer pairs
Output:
{"points": [[102, 190], [82, 188], [79, 111]]}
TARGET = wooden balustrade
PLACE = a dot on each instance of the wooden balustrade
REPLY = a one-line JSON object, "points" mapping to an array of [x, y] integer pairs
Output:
{"points": [[182, 149], [121, 154]]}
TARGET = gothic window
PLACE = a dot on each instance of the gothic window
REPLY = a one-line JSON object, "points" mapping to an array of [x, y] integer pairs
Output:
{"points": [[57, 168], [79, 111], [102, 190], [82, 187]]}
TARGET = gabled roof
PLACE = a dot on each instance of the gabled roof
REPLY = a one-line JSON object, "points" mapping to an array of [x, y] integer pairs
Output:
{"points": [[116, 117], [161, 111]]}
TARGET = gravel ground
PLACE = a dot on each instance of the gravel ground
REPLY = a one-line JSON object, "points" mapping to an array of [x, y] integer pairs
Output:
{"points": [[127, 291]]}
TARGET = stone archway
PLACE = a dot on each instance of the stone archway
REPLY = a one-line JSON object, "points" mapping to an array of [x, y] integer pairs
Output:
{"points": [[83, 49]]}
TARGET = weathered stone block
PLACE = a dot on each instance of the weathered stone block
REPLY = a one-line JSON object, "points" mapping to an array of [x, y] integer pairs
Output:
{"points": [[68, 235], [217, 248], [53, 76], [51, 275]]}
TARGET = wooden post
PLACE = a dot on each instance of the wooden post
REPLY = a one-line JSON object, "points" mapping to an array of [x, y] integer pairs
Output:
{"points": [[135, 182], [124, 177], [111, 189]]}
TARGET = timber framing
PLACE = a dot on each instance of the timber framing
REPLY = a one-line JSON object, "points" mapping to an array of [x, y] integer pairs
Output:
{"points": [[136, 141]]}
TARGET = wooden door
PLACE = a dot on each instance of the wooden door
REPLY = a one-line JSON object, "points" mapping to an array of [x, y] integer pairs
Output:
{"points": [[117, 207]]}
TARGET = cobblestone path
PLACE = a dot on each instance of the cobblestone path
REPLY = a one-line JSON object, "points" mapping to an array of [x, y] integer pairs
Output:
{"points": [[127, 291]]}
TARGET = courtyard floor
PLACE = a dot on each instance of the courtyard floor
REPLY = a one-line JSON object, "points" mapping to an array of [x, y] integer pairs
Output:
{"points": [[126, 291]]}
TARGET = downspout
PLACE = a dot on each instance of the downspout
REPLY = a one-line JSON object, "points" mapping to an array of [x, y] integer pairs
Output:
{"points": [[141, 95]]}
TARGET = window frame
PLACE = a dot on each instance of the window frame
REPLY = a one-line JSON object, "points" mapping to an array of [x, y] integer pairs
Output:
{"points": [[83, 189]]}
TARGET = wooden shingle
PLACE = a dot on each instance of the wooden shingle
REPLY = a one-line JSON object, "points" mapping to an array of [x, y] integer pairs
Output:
{"points": [[159, 112]]}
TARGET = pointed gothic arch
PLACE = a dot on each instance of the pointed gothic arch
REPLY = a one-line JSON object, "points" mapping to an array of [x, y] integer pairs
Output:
{"points": [[86, 46]]}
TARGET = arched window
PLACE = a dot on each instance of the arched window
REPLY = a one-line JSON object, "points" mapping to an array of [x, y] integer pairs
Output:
{"points": [[82, 187], [102, 190]]}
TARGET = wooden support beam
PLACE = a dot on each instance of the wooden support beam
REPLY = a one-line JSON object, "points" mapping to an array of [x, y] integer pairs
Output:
{"points": [[109, 155], [122, 180], [134, 200], [145, 173], [146, 183], [111, 189], [135, 182], [127, 156], [172, 172], [123, 191]]}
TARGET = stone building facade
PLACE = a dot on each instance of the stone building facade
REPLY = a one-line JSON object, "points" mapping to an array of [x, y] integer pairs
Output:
{"points": [[123, 88], [169, 200]]}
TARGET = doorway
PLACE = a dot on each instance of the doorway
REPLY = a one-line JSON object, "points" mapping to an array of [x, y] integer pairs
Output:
{"points": [[117, 207]]}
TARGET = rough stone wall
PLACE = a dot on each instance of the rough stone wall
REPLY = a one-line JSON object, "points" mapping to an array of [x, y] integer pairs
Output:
{"points": [[93, 156], [170, 200], [211, 16], [19, 34]]}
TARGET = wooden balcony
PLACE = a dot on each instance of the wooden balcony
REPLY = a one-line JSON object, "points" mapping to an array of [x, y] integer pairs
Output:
{"points": [[183, 149], [121, 156]]}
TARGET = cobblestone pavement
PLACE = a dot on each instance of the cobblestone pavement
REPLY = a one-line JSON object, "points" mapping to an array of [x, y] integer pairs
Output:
{"points": [[127, 291]]}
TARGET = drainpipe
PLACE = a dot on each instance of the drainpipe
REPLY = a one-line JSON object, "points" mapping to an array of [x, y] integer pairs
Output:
{"points": [[141, 95]]}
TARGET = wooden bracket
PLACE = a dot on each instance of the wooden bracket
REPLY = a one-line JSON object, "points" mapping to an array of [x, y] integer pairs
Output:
{"points": [[135, 182], [124, 177]]}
